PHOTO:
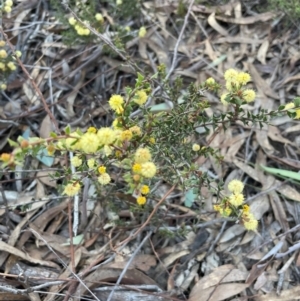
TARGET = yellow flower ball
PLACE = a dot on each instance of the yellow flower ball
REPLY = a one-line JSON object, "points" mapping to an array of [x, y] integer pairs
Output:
{"points": [[11, 66], [89, 143], [136, 130], [119, 2], [210, 81], [76, 161], [142, 155], [86, 32], [196, 147], [3, 54], [102, 169], [2, 43], [235, 186], [142, 32], [145, 189], [7, 9], [116, 103], [80, 31], [3, 87], [289, 106], [107, 150], [137, 168], [104, 179], [5, 157], [230, 75], [99, 18], [91, 163], [72, 189], [243, 78], [106, 136], [148, 170], [92, 129], [249, 95], [2, 66], [126, 135], [141, 200], [72, 21], [18, 53], [251, 224], [236, 199], [140, 97], [8, 3]]}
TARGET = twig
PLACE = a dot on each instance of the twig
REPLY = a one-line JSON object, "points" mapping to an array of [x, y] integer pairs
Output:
{"points": [[36, 88], [179, 40], [128, 264]]}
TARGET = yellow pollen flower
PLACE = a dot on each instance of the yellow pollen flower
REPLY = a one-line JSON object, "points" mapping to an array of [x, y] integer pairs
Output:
{"points": [[91, 163], [72, 21], [136, 130], [2, 66], [126, 135], [106, 136], [140, 97], [249, 95], [142, 155], [152, 140], [92, 129], [136, 168], [3, 87], [7, 9], [104, 179], [141, 200], [210, 81], [289, 106], [3, 54], [148, 170], [99, 18], [5, 157], [89, 143], [102, 169], [236, 186], [18, 53], [76, 161], [236, 199], [196, 147], [230, 75], [116, 103], [136, 178], [142, 32], [2, 43], [243, 78], [145, 189], [72, 189], [51, 149], [11, 66]]}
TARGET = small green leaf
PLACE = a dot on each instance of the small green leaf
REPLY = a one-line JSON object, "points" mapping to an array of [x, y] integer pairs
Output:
{"points": [[297, 101], [286, 174], [76, 240], [67, 129], [53, 135], [12, 143], [281, 107]]}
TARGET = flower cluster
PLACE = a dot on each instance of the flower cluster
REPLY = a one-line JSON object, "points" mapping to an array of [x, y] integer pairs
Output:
{"points": [[7, 63], [234, 206], [79, 27], [290, 107], [7, 5], [235, 82]]}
